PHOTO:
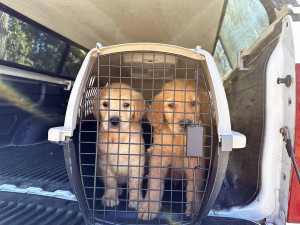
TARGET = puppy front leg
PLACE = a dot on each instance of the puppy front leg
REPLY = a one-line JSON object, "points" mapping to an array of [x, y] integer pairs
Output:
{"points": [[110, 196], [136, 172], [156, 185]]}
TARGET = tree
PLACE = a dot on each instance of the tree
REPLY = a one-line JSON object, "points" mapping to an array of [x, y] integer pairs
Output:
{"points": [[25, 44], [73, 62], [3, 34]]}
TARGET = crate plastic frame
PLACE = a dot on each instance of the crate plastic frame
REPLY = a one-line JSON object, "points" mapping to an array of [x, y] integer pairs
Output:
{"points": [[227, 139]]}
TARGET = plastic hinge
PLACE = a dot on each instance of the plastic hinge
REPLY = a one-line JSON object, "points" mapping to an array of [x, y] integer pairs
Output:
{"points": [[59, 134], [226, 142], [235, 140], [239, 140]]}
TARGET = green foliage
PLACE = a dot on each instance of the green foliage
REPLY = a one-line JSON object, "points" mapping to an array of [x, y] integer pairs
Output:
{"points": [[29, 46], [24, 44], [243, 22], [3, 34], [73, 62]]}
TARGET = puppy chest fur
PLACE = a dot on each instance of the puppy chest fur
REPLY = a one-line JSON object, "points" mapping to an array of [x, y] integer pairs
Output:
{"points": [[173, 150], [123, 151]]}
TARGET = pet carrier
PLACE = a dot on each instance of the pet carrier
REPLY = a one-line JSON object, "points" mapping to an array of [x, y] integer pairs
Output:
{"points": [[147, 134]]}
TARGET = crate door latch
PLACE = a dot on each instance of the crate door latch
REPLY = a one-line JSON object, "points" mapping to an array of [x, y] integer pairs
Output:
{"points": [[195, 141]]}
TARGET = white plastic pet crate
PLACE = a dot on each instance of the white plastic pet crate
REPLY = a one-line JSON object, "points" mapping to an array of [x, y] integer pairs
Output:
{"points": [[149, 69]]}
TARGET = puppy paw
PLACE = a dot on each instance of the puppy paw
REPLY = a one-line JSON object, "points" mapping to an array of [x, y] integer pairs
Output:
{"points": [[110, 200], [133, 204], [148, 211], [188, 211], [134, 196]]}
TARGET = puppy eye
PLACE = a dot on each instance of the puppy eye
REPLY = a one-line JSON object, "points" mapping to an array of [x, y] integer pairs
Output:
{"points": [[171, 105], [105, 104], [193, 103], [126, 105]]}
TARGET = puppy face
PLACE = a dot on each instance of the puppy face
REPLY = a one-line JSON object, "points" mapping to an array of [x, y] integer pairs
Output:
{"points": [[177, 105], [118, 106]]}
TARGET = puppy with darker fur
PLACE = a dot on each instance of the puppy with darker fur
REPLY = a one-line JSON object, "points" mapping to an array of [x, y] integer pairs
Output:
{"points": [[172, 110], [121, 151]]}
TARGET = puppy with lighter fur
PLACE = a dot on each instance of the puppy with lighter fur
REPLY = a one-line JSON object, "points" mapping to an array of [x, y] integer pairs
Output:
{"points": [[172, 110], [121, 151]]}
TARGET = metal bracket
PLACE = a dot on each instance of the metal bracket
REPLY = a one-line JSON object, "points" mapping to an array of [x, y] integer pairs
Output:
{"points": [[68, 84], [240, 61]]}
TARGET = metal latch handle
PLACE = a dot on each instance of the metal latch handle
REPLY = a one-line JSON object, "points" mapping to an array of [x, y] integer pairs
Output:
{"points": [[288, 145]]}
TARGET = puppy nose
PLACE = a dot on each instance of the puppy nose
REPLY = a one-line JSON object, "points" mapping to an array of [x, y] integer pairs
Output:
{"points": [[114, 121], [185, 123]]}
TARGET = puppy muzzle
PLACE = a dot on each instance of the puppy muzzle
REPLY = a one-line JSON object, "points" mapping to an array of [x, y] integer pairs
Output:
{"points": [[114, 122], [184, 123]]}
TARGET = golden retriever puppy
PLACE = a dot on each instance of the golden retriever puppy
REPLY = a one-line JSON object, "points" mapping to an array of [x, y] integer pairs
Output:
{"points": [[121, 150], [172, 110]]}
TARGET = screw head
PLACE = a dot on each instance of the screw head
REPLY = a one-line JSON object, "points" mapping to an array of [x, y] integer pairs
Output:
{"points": [[283, 176], [282, 214]]}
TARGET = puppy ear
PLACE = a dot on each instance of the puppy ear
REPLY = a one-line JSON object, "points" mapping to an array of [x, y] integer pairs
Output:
{"points": [[96, 106], [139, 108], [155, 114]]}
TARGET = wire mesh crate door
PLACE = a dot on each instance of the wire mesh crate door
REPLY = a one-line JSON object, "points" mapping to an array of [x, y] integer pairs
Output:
{"points": [[172, 110], [133, 160]]}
